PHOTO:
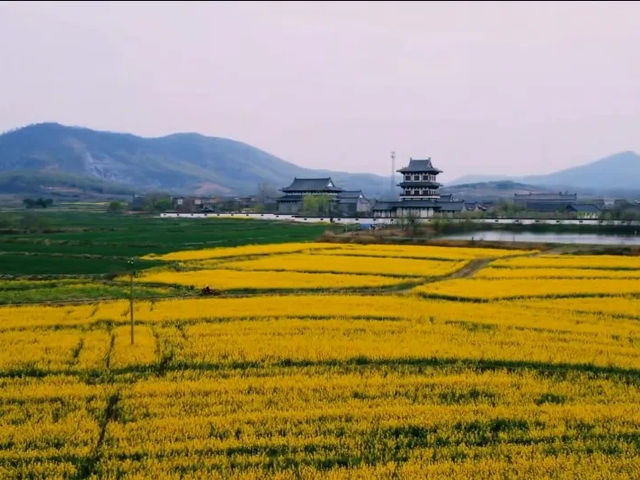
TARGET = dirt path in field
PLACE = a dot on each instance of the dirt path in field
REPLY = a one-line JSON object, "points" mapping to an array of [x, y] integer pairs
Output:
{"points": [[479, 263], [470, 268]]}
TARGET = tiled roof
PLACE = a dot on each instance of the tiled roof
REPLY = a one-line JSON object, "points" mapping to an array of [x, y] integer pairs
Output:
{"points": [[419, 166], [546, 196], [547, 206], [290, 198], [354, 194], [451, 206], [419, 184], [448, 206], [312, 185], [584, 208]]}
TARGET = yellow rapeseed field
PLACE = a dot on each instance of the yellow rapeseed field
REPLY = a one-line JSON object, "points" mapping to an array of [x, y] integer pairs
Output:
{"points": [[486, 377], [572, 261], [350, 264], [545, 272], [421, 251], [482, 288], [222, 252], [225, 279]]}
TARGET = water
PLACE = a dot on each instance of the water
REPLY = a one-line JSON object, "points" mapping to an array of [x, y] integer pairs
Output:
{"points": [[535, 237]]}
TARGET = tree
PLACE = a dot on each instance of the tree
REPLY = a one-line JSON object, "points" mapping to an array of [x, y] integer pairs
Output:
{"points": [[115, 207], [39, 203], [440, 224], [317, 205], [509, 209], [410, 223], [157, 202]]}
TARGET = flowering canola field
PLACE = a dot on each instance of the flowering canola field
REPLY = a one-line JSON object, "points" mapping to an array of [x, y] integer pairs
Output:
{"points": [[433, 366], [250, 280]]}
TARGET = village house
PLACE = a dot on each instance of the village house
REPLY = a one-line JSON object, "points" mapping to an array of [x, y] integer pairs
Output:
{"points": [[184, 204]]}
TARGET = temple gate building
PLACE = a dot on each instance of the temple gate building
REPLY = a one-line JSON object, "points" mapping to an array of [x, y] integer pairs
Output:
{"points": [[343, 202], [420, 195]]}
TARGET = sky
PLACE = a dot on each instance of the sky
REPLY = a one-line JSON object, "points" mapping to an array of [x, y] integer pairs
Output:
{"points": [[493, 88]]}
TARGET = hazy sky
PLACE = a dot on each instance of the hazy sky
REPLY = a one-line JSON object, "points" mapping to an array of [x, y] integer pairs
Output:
{"points": [[480, 87]]}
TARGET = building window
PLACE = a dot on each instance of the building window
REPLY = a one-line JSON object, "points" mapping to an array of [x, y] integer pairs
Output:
{"points": [[416, 192], [416, 177], [407, 177], [425, 177]]}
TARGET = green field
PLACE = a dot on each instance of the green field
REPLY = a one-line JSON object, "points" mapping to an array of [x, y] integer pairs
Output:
{"points": [[58, 256], [68, 243]]}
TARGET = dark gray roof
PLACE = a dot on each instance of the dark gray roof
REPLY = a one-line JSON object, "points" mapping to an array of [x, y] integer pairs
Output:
{"points": [[419, 166], [384, 205], [451, 206], [474, 205], [354, 194], [584, 208], [547, 206], [447, 206], [418, 204], [291, 198], [419, 184], [546, 196], [312, 185]]}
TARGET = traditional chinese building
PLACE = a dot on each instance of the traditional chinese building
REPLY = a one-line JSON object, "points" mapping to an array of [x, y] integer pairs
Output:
{"points": [[420, 194], [419, 181], [343, 202], [353, 203], [545, 202]]}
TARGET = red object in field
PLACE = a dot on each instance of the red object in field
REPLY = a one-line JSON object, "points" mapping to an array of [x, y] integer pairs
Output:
{"points": [[209, 291]]}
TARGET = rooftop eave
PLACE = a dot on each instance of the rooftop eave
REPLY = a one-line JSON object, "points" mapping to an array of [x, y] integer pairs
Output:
{"points": [[295, 190], [419, 170], [419, 184]]}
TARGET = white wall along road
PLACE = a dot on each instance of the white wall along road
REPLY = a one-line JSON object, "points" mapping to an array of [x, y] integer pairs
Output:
{"points": [[391, 221]]}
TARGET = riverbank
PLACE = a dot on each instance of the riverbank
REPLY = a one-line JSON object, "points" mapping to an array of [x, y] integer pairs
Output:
{"points": [[400, 236]]}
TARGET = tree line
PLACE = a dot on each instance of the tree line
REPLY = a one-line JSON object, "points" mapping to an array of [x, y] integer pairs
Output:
{"points": [[37, 203]]}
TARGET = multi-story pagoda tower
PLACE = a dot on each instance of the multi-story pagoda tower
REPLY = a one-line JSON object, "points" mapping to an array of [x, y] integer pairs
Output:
{"points": [[419, 181]]}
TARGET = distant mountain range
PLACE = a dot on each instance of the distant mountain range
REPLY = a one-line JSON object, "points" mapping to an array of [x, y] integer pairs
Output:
{"points": [[616, 174], [50, 157]]}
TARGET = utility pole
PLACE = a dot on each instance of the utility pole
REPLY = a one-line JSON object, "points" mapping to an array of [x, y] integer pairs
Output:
{"points": [[130, 262], [393, 172]]}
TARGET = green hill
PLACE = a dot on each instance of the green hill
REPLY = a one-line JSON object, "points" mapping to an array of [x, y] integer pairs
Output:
{"points": [[51, 155]]}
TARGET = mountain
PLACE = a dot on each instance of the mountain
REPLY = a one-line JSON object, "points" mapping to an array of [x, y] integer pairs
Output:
{"points": [[49, 156], [471, 179], [619, 173], [616, 172]]}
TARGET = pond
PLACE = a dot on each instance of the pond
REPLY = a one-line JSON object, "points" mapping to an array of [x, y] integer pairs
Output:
{"points": [[545, 237]]}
